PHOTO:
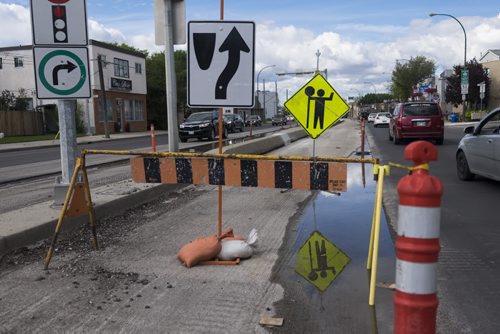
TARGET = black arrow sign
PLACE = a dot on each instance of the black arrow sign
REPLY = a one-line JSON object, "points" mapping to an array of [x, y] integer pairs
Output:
{"points": [[69, 66], [234, 44]]}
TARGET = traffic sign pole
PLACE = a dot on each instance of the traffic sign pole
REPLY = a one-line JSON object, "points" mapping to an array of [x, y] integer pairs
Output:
{"points": [[61, 71], [171, 89]]}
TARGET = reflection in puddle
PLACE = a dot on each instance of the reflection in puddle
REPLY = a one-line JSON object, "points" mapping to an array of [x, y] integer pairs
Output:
{"points": [[344, 219]]}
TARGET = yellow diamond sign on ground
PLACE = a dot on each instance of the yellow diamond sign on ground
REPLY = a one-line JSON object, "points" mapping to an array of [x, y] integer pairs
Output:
{"points": [[319, 261], [317, 106]]}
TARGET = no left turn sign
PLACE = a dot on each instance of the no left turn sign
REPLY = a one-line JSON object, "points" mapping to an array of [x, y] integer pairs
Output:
{"points": [[61, 73]]}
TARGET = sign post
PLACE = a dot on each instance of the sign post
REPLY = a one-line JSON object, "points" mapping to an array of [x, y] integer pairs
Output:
{"points": [[59, 29]]}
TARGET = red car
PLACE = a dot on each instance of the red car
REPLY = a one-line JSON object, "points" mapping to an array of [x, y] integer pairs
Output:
{"points": [[417, 120]]}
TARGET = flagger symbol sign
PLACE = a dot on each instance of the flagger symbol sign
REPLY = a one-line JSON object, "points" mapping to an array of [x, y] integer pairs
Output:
{"points": [[317, 106]]}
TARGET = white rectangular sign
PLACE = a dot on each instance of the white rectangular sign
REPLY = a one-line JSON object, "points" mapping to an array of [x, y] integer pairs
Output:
{"points": [[59, 22], [61, 73], [221, 58]]}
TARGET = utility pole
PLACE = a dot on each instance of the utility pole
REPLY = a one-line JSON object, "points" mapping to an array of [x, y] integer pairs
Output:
{"points": [[103, 96], [171, 88]]}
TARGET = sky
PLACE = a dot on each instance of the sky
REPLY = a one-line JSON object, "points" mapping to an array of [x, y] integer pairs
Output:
{"points": [[359, 41]]}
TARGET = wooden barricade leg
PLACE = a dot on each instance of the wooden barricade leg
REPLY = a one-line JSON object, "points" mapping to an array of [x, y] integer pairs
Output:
{"points": [[88, 201], [63, 212]]}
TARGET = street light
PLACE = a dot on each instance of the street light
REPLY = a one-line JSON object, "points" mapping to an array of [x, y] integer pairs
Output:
{"points": [[465, 35], [371, 83], [258, 74], [465, 48], [264, 87], [317, 60]]}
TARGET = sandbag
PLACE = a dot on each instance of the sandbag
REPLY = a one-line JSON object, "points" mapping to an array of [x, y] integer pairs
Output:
{"points": [[233, 249], [198, 250]]}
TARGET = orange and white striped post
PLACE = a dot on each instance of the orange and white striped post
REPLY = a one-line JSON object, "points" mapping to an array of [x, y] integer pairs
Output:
{"points": [[153, 140], [417, 244]]}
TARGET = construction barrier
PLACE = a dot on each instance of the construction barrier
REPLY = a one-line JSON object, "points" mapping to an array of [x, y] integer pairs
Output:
{"points": [[417, 244], [305, 175], [268, 171]]}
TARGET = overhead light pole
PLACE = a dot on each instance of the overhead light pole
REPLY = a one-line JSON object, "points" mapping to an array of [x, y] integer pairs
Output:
{"points": [[371, 83], [465, 34], [264, 87], [317, 60], [465, 73]]}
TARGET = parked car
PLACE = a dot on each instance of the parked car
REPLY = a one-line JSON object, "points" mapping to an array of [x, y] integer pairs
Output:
{"points": [[253, 120], [479, 150], [371, 117], [278, 120], [417, 120], [200, 125], [382, 118], [234, 122]]}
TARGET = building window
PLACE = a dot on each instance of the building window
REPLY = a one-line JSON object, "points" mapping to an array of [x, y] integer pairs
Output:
{"points": [[134, 110], [138, 68], [18, 62], [121, 68]]}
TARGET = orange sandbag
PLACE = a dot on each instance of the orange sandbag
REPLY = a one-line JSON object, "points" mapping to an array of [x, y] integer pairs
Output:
{"points": [[198, 250]]}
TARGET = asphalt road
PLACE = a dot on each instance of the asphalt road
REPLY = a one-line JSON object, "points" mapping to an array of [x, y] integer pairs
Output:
{"points": [[469, 264], [44, 154]]}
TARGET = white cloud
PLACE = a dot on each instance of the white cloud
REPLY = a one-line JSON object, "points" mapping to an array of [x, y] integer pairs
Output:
{"points": [[352, 59], [15, 25], [99, 32]]}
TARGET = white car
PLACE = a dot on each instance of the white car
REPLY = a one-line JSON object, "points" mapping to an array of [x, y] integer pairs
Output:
{"points": [[382, 118], [479, 150], [371, 117]]}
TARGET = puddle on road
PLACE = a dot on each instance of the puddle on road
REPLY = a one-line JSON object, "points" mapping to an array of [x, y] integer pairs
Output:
{"points": [[344, 219]]}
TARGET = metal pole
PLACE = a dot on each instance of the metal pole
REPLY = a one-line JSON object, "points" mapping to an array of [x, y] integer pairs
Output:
{"points": [[317, 60], [465, 50], [67, 129], [104, 105], [264, 96], [221, 130], [171, 89]]}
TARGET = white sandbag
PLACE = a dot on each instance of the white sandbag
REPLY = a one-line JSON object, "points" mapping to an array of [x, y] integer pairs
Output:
{"points": [[243, 249]]}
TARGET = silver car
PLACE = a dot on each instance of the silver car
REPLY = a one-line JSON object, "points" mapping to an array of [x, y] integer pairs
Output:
{"points": [[479, 150]]}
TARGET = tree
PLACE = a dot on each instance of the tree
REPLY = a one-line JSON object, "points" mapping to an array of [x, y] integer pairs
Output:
{"points": [[374, 98], [155, 73], [408, 75], [477, 74], [7, 100]]}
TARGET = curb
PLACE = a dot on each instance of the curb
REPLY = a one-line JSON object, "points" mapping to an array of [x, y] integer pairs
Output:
{"points": [[78, 142], [111, 208]]}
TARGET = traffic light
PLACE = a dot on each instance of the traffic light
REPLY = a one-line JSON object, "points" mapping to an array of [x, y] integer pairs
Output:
{"points": [[59, 25]]}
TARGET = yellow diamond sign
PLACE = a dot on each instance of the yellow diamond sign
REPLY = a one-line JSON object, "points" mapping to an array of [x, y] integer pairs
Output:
{"points": [[320, 262], [317, 106]]}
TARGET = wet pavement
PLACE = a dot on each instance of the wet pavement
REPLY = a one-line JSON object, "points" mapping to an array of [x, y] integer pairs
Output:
{"points": [[344, 219]]}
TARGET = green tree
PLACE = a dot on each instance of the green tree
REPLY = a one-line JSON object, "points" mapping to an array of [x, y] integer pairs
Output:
{"points": [[129, 47], [477, 74], [156, 100], [7, 100], [408, 75], [374, 98]]}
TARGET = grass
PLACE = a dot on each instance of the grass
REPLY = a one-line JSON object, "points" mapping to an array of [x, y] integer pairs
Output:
{"points": [[22, 139]]}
